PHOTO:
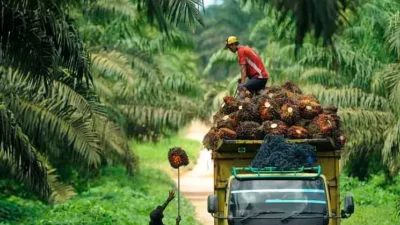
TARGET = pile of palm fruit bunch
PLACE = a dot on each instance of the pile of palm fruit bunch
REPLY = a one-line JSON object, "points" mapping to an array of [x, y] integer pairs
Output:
{"points": [[276, 152], [277, 110]]}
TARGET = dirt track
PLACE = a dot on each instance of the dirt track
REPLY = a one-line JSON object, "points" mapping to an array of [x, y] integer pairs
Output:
{"points": [[197, 184]]}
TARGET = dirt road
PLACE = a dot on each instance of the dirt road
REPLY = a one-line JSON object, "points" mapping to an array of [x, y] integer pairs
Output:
{"points": [[197, 184]]}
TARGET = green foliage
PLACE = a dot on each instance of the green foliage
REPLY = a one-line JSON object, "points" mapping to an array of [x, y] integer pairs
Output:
{"points": [[113, 199], [375, 200], [38, 39], [70, 112], [322, 17], [147, 80], [15, 209], [50, 111]]}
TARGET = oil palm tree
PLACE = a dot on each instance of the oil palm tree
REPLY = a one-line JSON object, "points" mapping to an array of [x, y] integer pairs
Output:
{"points": [[140, 74], [358, 75], [324, 18]]}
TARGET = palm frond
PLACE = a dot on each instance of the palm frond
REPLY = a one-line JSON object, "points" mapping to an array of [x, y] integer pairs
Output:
{"points": [[391, 149], [175, 11], [103, 88], [124, 8], [393, 34], [39, 39], [47, 117], [59, 192], [222, 56], [324, 17], [181, 83], [66, 88], [16, 148], [361, 119], [378, 87], [390, 78], [322, 76], [188, 9], [113, 65], [157, 116], [366, 130], [355, 32], [355, 66], [347, 97]]}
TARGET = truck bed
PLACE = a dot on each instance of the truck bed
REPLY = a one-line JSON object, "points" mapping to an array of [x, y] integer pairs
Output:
{"points": [[250, 146]]}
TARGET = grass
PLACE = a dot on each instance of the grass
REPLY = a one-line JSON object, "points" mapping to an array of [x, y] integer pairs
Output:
{"points": [[114, 198], [375, 201]]}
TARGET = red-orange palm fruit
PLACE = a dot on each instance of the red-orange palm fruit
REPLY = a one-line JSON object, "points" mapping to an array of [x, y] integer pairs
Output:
{"points": [[177, 157], [275, 127], [297, 132], [290, 113]]}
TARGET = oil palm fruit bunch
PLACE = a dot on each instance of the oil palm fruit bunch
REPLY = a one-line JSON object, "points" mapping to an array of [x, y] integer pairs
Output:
{"points": [[231, 105], [248, 130], [297, 132], [337, 120], [332, 111], [314, 130], [290, 113], [275, 127], [275, 92], [339, 139], [227, 122], [292, 101], [177, 157], [248, 112], [218, 116], [309, 109], [309, 97], [303, 122], [292, 88], [226, 134], [278, 94], [264, 91], [210, 140], [292, 95], [268, 109], [274, 89], [326, 124], [245, 94], [256, 99]]}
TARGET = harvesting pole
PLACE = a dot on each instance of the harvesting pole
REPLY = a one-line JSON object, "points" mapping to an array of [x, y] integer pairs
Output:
{"points": [[177, 157]]}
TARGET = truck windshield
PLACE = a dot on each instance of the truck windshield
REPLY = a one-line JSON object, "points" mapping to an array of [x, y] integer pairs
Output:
{"points": [[287, 196]]}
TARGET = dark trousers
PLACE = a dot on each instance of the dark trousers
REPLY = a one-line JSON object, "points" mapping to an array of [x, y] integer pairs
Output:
{"points": [[254, 85]]}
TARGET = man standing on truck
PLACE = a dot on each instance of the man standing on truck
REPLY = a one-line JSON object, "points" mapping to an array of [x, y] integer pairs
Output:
{"points": [[251, 66]]}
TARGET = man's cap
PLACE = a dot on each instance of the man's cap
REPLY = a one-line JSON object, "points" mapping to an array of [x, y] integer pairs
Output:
{"points": [[230, 40]]}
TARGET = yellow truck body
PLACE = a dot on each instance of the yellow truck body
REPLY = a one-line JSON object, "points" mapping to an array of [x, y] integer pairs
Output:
{"points": [[232, 154]]}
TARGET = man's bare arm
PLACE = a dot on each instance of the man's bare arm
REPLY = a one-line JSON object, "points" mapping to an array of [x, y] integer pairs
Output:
{"points": [[170, 197], [243, 72]]}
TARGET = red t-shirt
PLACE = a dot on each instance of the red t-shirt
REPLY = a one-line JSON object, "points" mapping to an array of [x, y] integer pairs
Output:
{"points": [[254, 64]]}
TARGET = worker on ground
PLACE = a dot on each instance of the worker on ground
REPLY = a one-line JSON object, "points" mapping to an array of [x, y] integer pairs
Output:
{"points": [[251, 66], [156, 215]]}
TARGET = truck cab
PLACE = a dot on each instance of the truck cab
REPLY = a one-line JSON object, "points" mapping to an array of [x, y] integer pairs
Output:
{"points": [[263, 196]]}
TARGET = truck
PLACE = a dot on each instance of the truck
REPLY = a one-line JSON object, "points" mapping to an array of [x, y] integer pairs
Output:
{"points": [[273, 196]]}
